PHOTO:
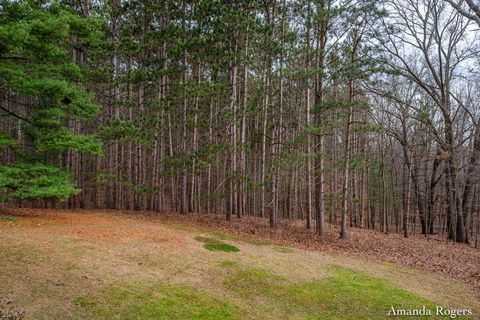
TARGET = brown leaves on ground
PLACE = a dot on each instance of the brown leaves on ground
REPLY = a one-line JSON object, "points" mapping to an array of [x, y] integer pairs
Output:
{"points": [[101, 225]]}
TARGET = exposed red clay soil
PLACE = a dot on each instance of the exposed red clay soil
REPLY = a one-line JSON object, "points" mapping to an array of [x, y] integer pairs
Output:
{"points": [[431, 254]]}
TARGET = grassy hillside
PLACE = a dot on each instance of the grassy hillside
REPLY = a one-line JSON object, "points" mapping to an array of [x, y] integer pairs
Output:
{"points": [[81, 265]]}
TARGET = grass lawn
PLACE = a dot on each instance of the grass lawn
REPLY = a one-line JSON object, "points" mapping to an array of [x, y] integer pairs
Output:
{"points": [[256, 294]]}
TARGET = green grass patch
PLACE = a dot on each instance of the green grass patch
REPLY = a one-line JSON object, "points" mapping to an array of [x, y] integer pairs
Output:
{"points": [[345, 294], [253, 283], [220, 247], [8, 219], [159, 301], [283, 249], [216, 245]]}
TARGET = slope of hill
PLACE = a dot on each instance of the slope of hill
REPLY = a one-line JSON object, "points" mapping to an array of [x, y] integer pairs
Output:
{"points": [[99, 265]]}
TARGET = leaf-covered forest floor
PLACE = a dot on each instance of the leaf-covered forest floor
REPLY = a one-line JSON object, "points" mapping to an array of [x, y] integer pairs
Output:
{"points": [[103, 264]]}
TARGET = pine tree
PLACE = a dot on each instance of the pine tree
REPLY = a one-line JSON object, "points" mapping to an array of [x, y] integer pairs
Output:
{"points": [[42, 95]]}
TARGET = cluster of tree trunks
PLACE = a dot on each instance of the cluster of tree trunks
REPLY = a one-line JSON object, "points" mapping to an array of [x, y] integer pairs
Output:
{"points": [[277, 109]]}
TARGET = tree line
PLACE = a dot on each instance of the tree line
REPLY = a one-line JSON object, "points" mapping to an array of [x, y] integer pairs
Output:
{"points": [[358, 113]]}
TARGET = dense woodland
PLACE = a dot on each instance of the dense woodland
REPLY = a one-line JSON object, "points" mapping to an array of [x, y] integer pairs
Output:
{"points": [[357, 113]]}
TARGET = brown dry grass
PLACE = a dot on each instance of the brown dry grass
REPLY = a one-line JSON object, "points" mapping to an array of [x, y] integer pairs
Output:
{"points": [[455, 260], [50, 257]]}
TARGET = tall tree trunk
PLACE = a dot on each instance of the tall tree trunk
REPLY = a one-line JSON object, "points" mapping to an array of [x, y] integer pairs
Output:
{"points": [[322, 34], [468, 191], [308, 121]]}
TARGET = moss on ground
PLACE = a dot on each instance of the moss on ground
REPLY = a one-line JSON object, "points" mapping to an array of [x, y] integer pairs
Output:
{"points": [[220, 247], [159, 301], [216, 245]]}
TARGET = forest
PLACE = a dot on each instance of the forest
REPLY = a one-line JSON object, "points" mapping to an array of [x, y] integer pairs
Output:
{"points": [[355, 113], [299, 121]]}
